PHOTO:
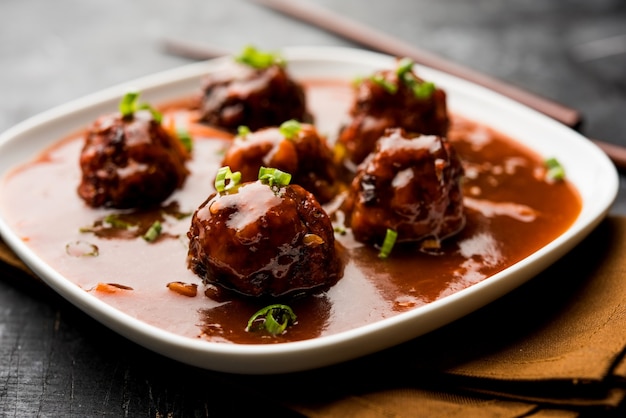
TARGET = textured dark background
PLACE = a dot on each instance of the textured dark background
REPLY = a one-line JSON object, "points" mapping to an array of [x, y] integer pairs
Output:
{"points": [[54, 360]]}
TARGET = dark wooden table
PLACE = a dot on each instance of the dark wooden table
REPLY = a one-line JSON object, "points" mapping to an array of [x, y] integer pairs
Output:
{"points": [[55, 360]]}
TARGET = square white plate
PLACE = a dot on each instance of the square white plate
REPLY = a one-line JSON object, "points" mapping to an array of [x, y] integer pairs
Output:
{"points": [[588, 169]]}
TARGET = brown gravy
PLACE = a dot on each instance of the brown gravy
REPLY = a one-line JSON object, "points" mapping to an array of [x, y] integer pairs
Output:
{"points": [[512, 212]]}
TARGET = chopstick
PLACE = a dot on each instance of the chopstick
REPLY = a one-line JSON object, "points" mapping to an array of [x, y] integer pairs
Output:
{"points": [[616, 153], [191, 50], [382, 42]]}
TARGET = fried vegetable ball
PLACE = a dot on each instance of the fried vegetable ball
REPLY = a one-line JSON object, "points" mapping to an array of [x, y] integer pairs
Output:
{"points": [[130, 160], [294, 148], [255, 90], [263, 239], [395, 98], [411, 185]]}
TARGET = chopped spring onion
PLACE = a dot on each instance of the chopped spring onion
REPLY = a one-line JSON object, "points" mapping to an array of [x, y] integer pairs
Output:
{"points": [[114, 220], [153, 232], [243, 131], [390, 241], [273, 318], [387, 85], [405, 65], [290, 128], [128, 106], [340, 229], [274, 177], [156, 115], [356, 81], [224, 174], [185, 138], [555, 171], [421, 89], [257, 59]]}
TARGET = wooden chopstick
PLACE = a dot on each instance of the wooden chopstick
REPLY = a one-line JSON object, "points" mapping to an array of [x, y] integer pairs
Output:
{"points": [[616, 153], [191, 50]]}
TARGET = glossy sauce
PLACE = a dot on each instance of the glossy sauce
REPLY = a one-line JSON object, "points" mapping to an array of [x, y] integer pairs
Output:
{"points": [[511, 212]]}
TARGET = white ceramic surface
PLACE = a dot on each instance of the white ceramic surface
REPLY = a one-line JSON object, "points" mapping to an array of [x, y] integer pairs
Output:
{"points": [[587, 168]]}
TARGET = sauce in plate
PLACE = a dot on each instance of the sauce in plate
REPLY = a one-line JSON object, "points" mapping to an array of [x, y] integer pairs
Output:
{"points": [[512, 211]]}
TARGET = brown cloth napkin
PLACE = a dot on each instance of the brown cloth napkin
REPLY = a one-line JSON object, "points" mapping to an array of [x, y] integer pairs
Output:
{"points": [[552, 348]]}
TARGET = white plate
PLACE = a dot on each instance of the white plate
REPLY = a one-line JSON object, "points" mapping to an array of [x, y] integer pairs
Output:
{"points": [[587, 168]]}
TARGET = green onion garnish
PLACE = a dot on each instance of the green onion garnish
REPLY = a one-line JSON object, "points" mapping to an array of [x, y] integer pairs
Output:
{"points": [[157, 116], [390, 241], [290, 128], [340, 229], [128, 106], [243, 131], [153, 232], [224, 174], [257, 59], [555, 170], [423, 90], [356, 82], [114, 220], [185, 138], [405, 65], [274, 177], [273, 318], [387, 85]]}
